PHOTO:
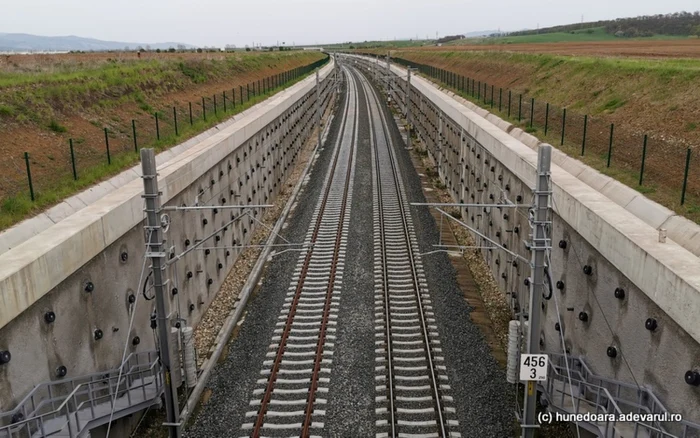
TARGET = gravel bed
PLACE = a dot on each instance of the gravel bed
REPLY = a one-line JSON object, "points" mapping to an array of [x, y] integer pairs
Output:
{"points": [[350, 411], [213, 320], [483, 398], [233, 379]]}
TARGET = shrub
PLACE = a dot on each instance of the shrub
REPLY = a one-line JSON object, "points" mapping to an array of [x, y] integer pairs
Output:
{"points": [[56, 127], [6, 110]]}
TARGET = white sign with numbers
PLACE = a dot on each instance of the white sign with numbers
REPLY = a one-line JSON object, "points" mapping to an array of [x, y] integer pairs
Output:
{"points": [[533, 367]]}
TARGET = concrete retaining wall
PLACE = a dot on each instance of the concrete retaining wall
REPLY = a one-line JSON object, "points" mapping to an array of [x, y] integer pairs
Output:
{"points": [[86, 267], [599, 223]]}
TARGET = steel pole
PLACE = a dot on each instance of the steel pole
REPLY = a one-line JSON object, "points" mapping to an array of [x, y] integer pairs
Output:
{"points": [[408, 108], [540, 245], [156, 253], [318, 108]]}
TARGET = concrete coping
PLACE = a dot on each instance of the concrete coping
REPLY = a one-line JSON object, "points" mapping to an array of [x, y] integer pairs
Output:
{"points": [[61, 240], [685, 232], [619, 222]]}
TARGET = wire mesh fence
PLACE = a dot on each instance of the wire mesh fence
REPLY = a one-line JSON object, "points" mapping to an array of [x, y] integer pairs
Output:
{"points": [[45, 174], [664, 168]]}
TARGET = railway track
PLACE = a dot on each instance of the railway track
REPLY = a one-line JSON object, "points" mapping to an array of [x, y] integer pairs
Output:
{"points": [[411, 381], [289, 397]]}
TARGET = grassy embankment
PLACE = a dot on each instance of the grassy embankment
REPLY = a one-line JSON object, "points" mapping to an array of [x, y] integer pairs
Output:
{"points": [[640, 96], [44, 103]]}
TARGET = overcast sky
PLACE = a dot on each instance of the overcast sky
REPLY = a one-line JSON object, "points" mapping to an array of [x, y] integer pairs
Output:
{"points": [[220, 22]]}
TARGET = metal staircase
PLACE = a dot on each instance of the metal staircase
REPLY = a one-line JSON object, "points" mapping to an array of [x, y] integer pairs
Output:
{"points": [[71, 407], [599, 395]]}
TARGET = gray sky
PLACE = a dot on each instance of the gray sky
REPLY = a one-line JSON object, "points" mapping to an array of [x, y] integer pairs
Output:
{"points": [[220, 22]]}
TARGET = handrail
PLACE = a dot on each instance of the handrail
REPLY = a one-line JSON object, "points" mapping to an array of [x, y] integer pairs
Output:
{"points": [[46, 401], [603, 403], [53, 383], [143, 370]]}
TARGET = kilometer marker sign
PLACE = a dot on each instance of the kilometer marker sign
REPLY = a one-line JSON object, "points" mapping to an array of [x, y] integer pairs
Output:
{"points": [[533, 367]]}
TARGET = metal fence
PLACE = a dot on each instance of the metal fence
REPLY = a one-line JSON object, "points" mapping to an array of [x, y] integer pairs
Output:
{"points": [[646, 161], [55, 171]]}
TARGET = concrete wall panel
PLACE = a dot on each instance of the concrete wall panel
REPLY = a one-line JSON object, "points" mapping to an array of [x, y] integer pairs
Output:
{"points": [[601, 223], [103, 245]]}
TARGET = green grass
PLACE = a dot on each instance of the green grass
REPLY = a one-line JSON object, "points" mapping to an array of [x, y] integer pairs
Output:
{"points": [[613, 104], [584, 35], [15, 208], [35, 95], [56, 127], [662, 193], [6, 110]]}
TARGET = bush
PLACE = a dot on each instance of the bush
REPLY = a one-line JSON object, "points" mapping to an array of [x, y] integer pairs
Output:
{"points": [[6, 110], [56, 127]]}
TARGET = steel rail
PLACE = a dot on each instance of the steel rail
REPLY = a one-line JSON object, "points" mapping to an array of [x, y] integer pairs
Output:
{"points": [[385, 277], [426, 337], [297, 295], [329, 290]]}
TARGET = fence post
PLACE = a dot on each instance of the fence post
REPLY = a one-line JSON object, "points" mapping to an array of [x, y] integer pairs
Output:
{"points": [[644, 158], [510, 95], [563, 126], [491, 96], [191, 119], [29, 175], [72, 159], [546, 119], [133, 129], [233, 97], [224, 97], [175, 121], [478, 91], [204, 109], [685, 177], [610, 145], [247, 92], [500, 98], [585, 128], [532, 112], [214, 104], [240, 94], [109, 158], [157, 127], [520, 108]]}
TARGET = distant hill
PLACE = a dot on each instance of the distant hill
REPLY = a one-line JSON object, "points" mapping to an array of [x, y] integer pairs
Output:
{"points": [[21, 42]]}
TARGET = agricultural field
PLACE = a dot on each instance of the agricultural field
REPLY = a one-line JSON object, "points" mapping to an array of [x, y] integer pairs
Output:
{"points": [[641, 96], [99, 99], [634, 48]]}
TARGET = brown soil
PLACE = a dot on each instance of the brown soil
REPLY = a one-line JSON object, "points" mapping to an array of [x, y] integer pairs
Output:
{"points": [[661, 103], [689, 48], [49, 151]]}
